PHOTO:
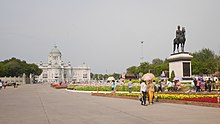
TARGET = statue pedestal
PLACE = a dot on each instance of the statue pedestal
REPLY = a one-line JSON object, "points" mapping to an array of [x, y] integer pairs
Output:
{"points": [[180, 63]]}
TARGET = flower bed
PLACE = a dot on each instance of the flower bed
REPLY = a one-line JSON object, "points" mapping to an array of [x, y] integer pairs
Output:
{"points": [[118, 95], [210, 100], [207, 104], [181, 96], [106, 86], [59, 85], [200, 99]]}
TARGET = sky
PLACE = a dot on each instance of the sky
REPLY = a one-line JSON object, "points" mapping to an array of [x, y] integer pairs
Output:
{"points": [[105, 34]]}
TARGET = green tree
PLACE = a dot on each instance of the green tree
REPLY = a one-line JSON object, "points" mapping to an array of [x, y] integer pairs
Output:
{"points": [[132, 70], [157, 61], [143, 68], [204, 62], [172, 75], [158, 67], [105, 76], [98, 76], [101, 76], [92, 76], [115, 75], [16, 67]]}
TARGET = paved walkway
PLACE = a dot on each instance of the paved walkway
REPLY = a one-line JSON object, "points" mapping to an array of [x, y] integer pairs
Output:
{"points": [[41, 104]]}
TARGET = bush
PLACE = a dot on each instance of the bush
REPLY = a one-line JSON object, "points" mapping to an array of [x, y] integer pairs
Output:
{"points": [[156, 80], [125, 88], [72, 86], [104, 88], [101, 88], [172, 75], [93, 88], [122, 88], [133, 81], [86, 88]]}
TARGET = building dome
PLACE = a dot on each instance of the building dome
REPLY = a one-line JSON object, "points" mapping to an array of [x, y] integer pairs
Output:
{"points": [[55, 50]]}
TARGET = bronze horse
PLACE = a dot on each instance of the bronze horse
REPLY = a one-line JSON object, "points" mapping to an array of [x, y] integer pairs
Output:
{"points": [[175, 45], [183, 39], [179, 41]]}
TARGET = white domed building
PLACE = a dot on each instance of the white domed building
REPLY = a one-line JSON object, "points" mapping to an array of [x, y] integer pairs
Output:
{"points": [[55, 70]]}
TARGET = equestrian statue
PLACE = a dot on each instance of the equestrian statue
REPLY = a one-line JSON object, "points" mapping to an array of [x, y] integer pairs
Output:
{"points": [[179, 40]]}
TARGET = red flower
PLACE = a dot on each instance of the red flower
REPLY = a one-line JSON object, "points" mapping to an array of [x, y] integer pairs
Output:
{"points": [[211, 100]]}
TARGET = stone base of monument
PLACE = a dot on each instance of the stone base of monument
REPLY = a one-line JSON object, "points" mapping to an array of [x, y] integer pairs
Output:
{"points": [[180, 63]]}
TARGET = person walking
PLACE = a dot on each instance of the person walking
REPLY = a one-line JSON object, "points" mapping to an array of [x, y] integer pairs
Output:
{"points": [[130, 86], [209, 84], [113, 86], [195, 83], [5, 84], [192, 86], [169, 85], [1, 84], [143, 91], [15, 85], [198, 84], [150, 88], [159, 86], [217, 84], [154, 82]]}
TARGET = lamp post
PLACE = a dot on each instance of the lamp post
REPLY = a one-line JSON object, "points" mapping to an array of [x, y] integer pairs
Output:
{"points": [[142, 57], [218, 60]]}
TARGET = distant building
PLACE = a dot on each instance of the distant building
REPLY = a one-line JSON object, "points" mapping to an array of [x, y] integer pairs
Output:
{"points": [[55, 70], [18, 80]]}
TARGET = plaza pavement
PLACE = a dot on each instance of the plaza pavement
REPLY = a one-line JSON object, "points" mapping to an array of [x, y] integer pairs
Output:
{"points": [[41, 104]]}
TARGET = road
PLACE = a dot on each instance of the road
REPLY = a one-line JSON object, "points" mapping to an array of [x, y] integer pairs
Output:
{"points": [[41, 104]]}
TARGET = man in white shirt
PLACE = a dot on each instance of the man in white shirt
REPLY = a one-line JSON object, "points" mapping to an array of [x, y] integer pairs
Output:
{"points": [[130, 86], [143, 90]]}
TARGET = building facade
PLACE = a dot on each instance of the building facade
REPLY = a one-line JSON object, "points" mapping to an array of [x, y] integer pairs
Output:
{"points": [[55, 70], [18, 80]]}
